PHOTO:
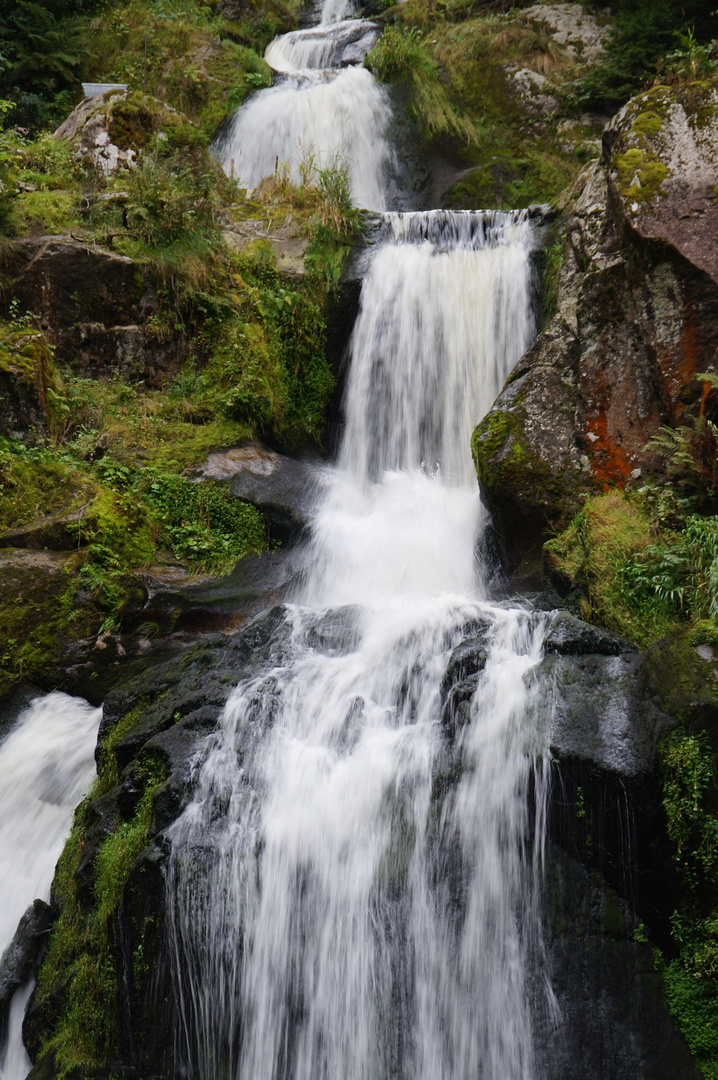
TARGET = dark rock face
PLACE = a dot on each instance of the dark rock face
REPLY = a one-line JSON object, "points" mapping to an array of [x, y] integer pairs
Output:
{"points": [[636, 320], [224, 604], [604, 1025], [598, 694], [94, 307], [22, 957], [21, 407], [185, 697]]}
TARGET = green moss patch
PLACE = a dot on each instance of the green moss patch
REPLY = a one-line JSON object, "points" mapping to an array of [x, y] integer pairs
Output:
{"points": [[77, 984]]}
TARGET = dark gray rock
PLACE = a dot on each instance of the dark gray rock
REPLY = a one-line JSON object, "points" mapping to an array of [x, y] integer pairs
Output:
{"points": [[599, 712], [93, 306], [21, 958], [257, 582], [282, 488], [336, 632], [569, 636], [612, 1018]]}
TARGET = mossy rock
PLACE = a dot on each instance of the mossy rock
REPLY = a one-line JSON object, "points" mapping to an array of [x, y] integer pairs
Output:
{"points": [[41, 617], [134, 119], [525, 494], [682, 671]]}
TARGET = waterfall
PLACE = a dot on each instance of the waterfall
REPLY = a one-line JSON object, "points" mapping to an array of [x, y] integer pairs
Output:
{"points": [[46, 766], [324, 110], [337, 910]]}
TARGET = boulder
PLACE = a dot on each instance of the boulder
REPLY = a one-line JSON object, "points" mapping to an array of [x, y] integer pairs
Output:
{"points": [[94, 307], [636, 319], [662, 152], [282, 488], [108, 130]]}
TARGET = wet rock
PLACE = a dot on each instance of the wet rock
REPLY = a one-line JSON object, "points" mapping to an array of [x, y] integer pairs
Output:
{"points": [[22, 957], [461, 679], [599, 712], [336, 632], [612, 1018], [636, 319], [282, 488], [222, 604], [569, 636]]}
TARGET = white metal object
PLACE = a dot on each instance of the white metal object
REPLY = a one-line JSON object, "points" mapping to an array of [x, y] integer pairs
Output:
{"points": [[93, 89]]}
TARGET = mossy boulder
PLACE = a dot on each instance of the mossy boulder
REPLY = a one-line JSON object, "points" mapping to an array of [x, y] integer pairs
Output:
{"points": [[44, 626], [682, 672], [662, 149], [109, 130]]}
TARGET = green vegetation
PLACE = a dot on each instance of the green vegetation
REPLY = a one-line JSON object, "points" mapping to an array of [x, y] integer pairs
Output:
{"points": [[183, 51], [79, 964], [691, 976], [651, 40], [451, 60], [645, 563]]}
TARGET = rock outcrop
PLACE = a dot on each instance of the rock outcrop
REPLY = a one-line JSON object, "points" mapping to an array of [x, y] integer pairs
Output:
{"points": [[95, 308], [636, 319]]}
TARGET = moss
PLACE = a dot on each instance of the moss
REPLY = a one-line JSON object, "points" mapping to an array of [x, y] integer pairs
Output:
{"points": [[41, 617], [134, 119], [508, 469], [639, 178], [455, 72], [46, 211], [685, 683], [647, 123], [77, 984], [592, 554]]}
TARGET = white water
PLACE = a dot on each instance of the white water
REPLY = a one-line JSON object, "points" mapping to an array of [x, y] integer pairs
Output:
{"points": [[46, 766], [320, 112], [331, 919]]}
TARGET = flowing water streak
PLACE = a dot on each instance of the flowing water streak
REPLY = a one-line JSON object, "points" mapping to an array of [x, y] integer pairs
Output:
{"points": [[335, 916], [319, 111], [46, 766]]}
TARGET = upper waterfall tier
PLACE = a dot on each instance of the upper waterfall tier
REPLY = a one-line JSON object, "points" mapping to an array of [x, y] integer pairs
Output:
{"points": [[331, 118], [332, 46]]}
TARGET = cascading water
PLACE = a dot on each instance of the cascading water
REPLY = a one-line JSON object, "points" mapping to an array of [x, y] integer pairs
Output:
{"points": [[324, 110], [337, 910], [46, 766]]}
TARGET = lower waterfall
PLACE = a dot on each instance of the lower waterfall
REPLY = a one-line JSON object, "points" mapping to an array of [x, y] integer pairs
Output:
{"points": [[46, 765], [352, 895]]}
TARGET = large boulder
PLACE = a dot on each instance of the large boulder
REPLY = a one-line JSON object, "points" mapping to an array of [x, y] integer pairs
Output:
{"points": [[107, 131], [636, 319]]}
